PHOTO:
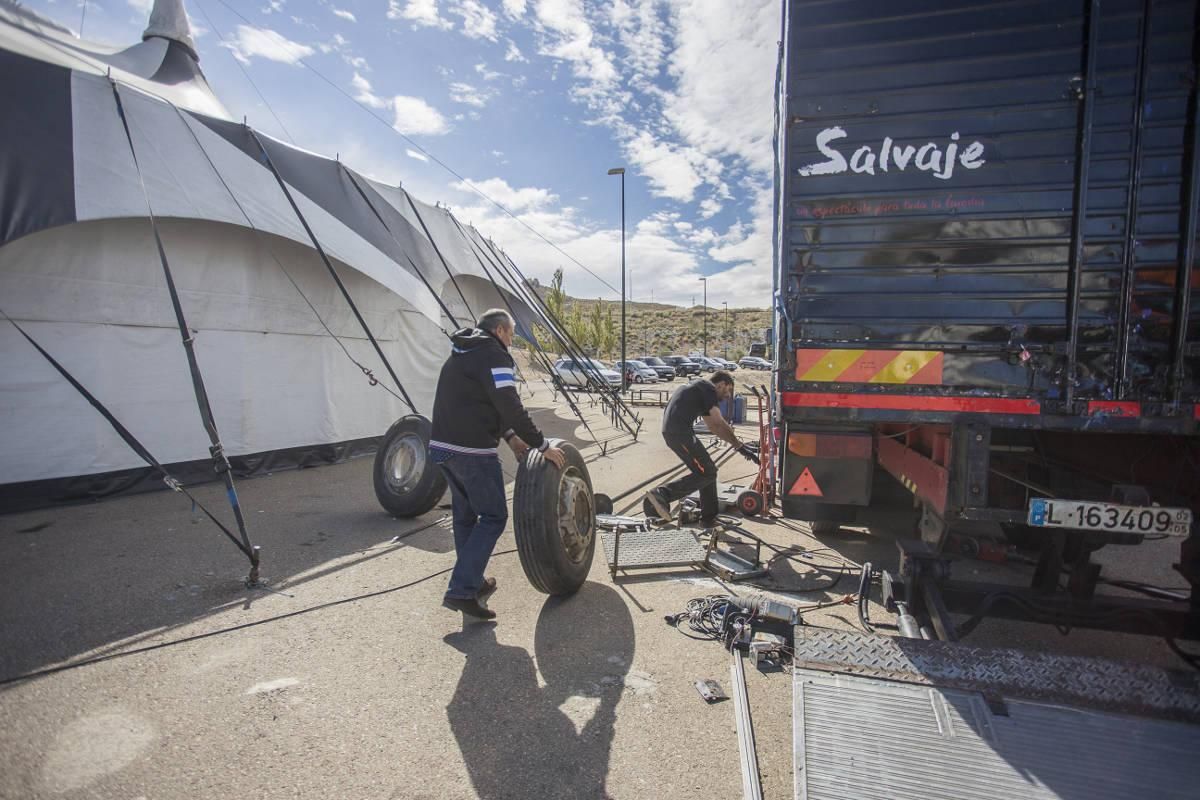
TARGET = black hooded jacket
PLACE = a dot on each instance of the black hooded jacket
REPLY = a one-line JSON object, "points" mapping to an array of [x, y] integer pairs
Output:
{"points": [[476, 402]]}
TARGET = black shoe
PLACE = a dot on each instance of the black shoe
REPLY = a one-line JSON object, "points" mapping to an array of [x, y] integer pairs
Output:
{"points": [[469, 606], [659, 504], [486, 588]]}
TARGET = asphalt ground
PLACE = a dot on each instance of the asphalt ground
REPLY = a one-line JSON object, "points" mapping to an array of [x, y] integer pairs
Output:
{"points": [[347, 679]]}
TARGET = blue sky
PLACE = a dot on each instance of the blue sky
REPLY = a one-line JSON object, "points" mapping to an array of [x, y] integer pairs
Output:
{"points": [[532, 101]]}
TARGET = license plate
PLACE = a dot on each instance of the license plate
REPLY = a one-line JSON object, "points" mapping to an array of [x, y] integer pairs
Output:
{"points": [[1082, 515]]}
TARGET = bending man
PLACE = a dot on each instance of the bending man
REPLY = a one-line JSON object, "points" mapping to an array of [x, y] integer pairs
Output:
{"points": [[697, 399], [477, 404]]}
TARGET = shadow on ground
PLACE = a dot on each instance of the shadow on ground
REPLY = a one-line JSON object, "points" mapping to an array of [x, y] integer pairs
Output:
{"points": [[521, 738], [75, 579]]}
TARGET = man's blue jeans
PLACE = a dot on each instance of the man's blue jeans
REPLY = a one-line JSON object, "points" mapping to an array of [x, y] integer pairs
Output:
{"points": [[480, 512]]}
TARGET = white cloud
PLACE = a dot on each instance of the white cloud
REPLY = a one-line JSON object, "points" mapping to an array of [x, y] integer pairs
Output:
{"points": [[513, 53], [415, 117], [709, 208], [266, 43], [365, 95], [487, 74], [673, 171], [724, 68], [515, 200], [568, 35], [514, 8], [346, 15], [498, 153], [421, 13], [479, 22], [467, 94], [274, 6], [358, 62], [416, 155], [644, 34]]}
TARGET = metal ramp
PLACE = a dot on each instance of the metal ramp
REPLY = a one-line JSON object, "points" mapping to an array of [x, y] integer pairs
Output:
{"points": [[635, 547], [877, 718]]}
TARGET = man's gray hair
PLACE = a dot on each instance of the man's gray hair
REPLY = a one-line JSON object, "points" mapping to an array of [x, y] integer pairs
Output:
{"points": [[493, 319]]}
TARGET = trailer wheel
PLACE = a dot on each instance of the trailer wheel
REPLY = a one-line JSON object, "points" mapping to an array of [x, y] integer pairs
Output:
{"points": [[825, 527], [554, 521], [751, 503], [407, 482]]}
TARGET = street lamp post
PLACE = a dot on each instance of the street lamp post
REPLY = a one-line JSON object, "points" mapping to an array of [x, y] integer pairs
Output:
{"points": [[624, 366], [705, 337], [725, 335]]}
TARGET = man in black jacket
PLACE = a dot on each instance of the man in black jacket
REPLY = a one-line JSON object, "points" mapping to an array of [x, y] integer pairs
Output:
{"points": [[697, 399], [476, 404]]}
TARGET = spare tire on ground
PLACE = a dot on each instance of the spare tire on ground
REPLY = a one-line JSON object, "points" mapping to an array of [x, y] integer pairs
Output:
{"points": [[554, 521], [407, 482]]}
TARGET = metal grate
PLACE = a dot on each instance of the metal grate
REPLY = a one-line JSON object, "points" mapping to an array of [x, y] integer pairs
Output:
{"points": [[864, 738], [656, 548]]}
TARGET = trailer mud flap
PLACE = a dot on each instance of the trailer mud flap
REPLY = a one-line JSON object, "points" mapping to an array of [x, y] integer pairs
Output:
{"points": [[826, 467]]}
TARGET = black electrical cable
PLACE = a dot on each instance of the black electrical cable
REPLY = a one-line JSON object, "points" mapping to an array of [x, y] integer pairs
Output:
{"points": [[864, 597], [233, 628]]}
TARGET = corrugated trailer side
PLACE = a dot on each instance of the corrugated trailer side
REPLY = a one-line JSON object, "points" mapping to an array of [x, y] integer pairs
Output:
{"points": [[987, 271]]}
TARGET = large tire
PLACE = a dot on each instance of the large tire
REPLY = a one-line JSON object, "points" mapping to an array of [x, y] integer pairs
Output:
{"points": [[825, 527], [554, 521], [407, 482]]}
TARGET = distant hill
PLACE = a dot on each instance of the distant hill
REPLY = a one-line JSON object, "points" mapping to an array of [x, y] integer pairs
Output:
{"points": [[661, 329]]}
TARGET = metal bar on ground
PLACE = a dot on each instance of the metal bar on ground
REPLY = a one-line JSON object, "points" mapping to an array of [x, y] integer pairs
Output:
{"points": [[751, 786]]}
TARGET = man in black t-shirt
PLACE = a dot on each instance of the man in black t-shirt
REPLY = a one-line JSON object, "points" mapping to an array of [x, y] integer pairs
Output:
{"points": [[697, 399]]}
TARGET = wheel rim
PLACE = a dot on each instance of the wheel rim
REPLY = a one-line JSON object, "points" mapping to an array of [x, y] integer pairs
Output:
{"points": [[405, 463], [576, 515]]}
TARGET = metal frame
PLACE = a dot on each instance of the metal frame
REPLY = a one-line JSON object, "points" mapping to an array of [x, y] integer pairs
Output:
{"points": [[931, 595], [748, 754]]}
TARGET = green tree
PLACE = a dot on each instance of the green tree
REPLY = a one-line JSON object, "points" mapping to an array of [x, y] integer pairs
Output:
{"points": [[555, 299], [578, 327], [599, 329], [611, 338]]}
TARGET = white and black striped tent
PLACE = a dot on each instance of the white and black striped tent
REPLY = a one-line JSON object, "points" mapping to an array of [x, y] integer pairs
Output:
{"points": [[93, 140]]}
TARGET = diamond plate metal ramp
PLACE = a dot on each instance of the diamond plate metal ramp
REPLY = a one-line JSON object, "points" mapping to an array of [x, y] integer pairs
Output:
{"points": [[1093, 683], [877, 718], [650, 549]]}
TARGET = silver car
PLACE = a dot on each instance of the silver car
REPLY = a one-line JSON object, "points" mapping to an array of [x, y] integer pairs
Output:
{"points": [[642, 373], [576, 375]]}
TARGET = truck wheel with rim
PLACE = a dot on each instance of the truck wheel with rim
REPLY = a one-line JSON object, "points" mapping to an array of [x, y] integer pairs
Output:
{"points": [[407, 482], [554, 521], [825, 527]]}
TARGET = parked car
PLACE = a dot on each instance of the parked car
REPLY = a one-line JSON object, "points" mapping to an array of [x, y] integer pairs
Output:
{"points": [[754, 362], [711, 363], [641, 372], [729, 365], [574, 374], [665, 371], [683, 365]]}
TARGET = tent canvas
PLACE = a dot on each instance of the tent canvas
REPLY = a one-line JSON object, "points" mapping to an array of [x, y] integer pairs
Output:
{"points": [[80, 272]]}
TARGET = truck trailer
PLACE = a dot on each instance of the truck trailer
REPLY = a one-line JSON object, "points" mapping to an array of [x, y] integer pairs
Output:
{"points": [[986, 294]]}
